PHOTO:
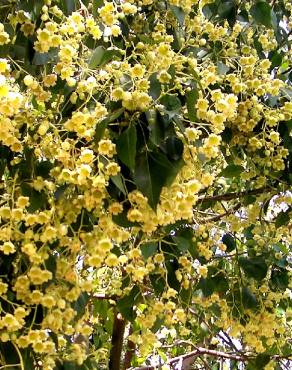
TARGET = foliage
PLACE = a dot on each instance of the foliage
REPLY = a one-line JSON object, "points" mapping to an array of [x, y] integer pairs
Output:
{"points": [[145, 163]]}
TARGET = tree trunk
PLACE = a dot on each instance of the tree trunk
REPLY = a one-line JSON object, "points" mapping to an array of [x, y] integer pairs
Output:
{"points": [[117, 342]]}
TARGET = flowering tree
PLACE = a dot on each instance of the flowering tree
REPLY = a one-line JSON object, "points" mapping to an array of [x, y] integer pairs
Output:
{"points": [[145, 166]]}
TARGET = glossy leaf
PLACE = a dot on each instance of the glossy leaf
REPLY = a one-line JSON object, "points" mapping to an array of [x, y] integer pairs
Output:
{"points": [[227, 10], [80, 305], [148, 249], [248, 299], [178, 13], [174, 148], [101, 56], [254, 267], [152, 172], [126, 147], [229, 241], [283, 218], [172, 104], [126, 303], [232, 170], [261, 11], [279, 278]]}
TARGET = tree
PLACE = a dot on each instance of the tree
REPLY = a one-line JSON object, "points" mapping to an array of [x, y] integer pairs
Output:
{"points": [[145, 199]]}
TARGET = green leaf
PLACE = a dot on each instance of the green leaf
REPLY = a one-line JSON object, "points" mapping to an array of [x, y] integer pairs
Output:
{"points": [[261, 12], [155, 86], [178, 13], [69, 6], [148, 249], [155, 127], [171, 102], [254, 267], [43, 169], [100, 307], [158, 283], [80, 305], [122, 220], [228, 10], [118, 181], [9, 354], [96, 4], [217, 283], [126, 147], [232, 170], [96, 57], [227, 135], [249, 300], [276, 58], [222, 68], [280, 278], [44, 58], [125, 304], [191, 99], [28, 359], [146, 181], [207, 286], [100, 56], [174, 148], [182, 243], [282, 218], [101, 126], [37, 200], [259, 362], [220, 282], [152, 172], [229, 241]]}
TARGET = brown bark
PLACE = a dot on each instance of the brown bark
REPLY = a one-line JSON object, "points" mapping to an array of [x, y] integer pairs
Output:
{"points": [[117, 342], [129, 352]]}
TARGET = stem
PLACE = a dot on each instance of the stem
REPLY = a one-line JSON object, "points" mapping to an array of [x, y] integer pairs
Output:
{"points": [[117, 342], [19, 355]]}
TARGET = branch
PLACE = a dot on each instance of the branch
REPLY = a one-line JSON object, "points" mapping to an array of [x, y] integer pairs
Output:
{"points": [[205, 351], [104, 296], [199, 351], [230, 196], [218, 217]]}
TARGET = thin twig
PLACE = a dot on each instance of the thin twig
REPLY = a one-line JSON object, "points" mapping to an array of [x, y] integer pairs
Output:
{"points": [[218, 217]]}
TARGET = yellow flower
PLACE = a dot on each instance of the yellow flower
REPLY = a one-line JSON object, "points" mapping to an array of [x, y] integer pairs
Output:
{"points": [[106, 147], [137, 71], [7, 248], [203, 271], [112, 169], [3, 288], [112, 260], [4, 66], [22, 202], [4, 89], [39, 276]]}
